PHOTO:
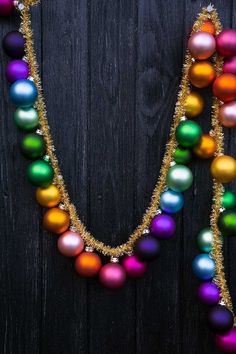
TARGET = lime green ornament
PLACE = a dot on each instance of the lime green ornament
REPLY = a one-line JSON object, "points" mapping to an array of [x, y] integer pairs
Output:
{"points": [[179, 178], [228, 200], [227, 223], [40, 173], [205, 240], [26, 118], [33, 146], [188, 133], [182, 156]]}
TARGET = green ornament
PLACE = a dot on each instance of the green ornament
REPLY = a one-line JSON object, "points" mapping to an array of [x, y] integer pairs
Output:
{"points": [[33, 146], [205, 240], [182, 156], [40, 173], [228, 200], [26, 118], [188, 133], [227, 223], [179, 178]]}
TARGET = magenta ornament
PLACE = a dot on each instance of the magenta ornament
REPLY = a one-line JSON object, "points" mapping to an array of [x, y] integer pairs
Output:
{"points": [[163, 226], [112, 276], [209, 293], [226, 43], [6, 7], [134, 267], [70, 244], [227, 342], [17, 70], [229, 66], [227, 114], [201, 45]]}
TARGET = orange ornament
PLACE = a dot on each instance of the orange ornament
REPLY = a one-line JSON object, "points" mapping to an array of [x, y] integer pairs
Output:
{"points": [[201, 74], [88, 264], [56, 220], [208, 26], [206, 148], [194, 105], [48, 197], [224, 87]]}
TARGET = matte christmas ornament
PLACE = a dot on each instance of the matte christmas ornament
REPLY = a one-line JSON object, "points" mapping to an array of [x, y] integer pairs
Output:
{"points": [[147, 248], [17, 70], [204, 267], [14, 44], [229, 66], [163, 226], [220, 319], [26, 118], [179, 178], [134, 267], [70, 244], [209, 293], [227, 342], [182, 156], [227, 223], [88, 264], [205, 240], [188, 133], [6, 7], [194, 105], [226, 43], [223, 169], [112, 276], [33, 146], [40, 173], [202, 74], [206, 147], [224, 87], [56, 220], [23, 93], [227, 114], [171, 202], [202, 45], [228, 200], [48, 197]]}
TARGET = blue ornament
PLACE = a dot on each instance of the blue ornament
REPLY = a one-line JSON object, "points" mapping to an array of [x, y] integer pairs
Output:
{"points": [[204, 267], [171, 202], [23, 93]]}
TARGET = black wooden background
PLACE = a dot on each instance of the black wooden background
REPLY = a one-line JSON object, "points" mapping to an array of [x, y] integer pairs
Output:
{"points": [[110, 73]]}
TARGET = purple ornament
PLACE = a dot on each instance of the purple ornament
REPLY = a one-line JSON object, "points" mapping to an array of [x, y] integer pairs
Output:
{"points": [[14, 44], [133, 266], [16, 70], [220, 319], [227, 342], [147, 248], [162, 226], [209, 293]]}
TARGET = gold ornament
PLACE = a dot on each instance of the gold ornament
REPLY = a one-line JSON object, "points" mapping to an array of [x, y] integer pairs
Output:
{"points": [[223, 169]]}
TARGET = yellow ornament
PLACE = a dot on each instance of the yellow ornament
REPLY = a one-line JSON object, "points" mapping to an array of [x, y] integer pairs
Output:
{"points": [[48, 197], [223, 169], [194, 105]]}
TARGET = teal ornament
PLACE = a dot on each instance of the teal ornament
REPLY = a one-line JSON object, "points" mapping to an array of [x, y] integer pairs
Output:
{"points": [[179, 178], [23, 93], [205, 240]]}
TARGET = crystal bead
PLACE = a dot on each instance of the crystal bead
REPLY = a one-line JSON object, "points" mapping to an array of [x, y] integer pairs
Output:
{"points": [[62, 206], [39, 132], [46, 158], [89, 249], [146, 231], [114, 260]]}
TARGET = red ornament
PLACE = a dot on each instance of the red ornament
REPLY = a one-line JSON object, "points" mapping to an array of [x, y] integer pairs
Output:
{"points": [[224, 87]]}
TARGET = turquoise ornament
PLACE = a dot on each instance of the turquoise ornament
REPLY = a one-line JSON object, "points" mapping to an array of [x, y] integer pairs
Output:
{"points": [[204, 267], [205, 240], [179, 178], [26, 118], [23, 93], [171, 202]]}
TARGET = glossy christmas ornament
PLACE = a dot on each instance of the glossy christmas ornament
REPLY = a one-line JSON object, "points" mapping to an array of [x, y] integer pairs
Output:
{"points": [[194, 105], [228, 200], [147, 248], [56, 220], [179, 178], [229, 66], [88, 264], [227, 223], [188, 133], [171, 202], [202, 74], [226, 43], [23, 93], [201, 45], [70, 244], [182, 156], [224, 87], [208, 26], [26, 118], [6, 7], [206, 147], [133, 266], [48, 197], [227, 114], [223, 169], [112, 276], [204, 267], [33, 146], [17, 70], [205, 240], [209, 293], [14, 44], [40, 173], [220, 319], [227, 341], [163, 226]]}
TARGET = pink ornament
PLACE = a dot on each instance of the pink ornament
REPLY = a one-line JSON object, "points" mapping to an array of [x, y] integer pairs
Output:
{"points": [[134, 267], [202, 45], [227, 342], [227, 114], [70, 244], [6, 7], [226, 43], [229, 66], [112, 276]]}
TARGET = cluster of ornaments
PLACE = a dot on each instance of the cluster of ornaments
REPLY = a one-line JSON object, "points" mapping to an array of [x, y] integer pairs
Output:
{"points": [[202, 45]]}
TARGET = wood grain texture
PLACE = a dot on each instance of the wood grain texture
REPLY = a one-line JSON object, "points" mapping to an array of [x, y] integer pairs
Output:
{"points": [[110, 71]]}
